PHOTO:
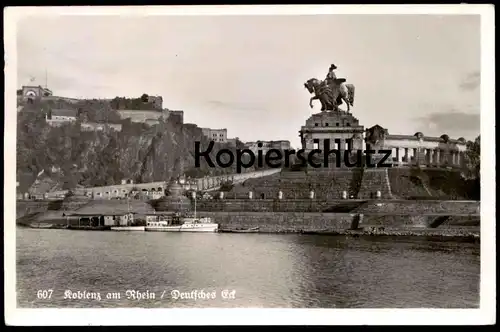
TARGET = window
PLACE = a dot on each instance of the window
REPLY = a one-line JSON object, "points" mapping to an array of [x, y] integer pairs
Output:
{"points": [[315, 124], [347, 124], [326, 124], [316, 143], [337, 124]]}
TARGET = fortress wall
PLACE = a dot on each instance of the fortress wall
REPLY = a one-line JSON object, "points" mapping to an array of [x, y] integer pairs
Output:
{"points": [[141, 115]]}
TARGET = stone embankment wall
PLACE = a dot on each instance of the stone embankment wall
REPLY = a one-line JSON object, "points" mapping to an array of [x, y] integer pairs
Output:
{"points": [[278, 222], [26, 207], [373, 207], [409, 207], [352, 206], [440, 217]]}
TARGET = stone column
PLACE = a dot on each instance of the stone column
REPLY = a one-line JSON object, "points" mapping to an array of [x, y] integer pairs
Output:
{"points": [[429, 154], [415, 156], [459, 161], [399, 155], [438, 157], [342, 149], [341, 144], [406, 156], [349, 144]]}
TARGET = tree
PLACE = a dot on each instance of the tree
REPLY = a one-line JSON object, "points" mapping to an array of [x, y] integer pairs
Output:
{"points": [[473, 158], [145, 98]]}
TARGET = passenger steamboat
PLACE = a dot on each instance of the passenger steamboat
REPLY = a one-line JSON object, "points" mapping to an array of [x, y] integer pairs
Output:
{"points": [[174, 222]]}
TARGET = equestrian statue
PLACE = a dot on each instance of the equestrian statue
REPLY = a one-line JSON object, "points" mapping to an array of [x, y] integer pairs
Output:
{"points": [[331, 92]]}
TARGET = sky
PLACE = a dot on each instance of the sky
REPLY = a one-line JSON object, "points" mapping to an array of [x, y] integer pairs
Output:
{"points": [[246, 73]]}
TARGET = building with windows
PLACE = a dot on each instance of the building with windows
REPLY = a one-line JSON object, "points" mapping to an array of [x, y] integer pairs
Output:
{"points": [[97, 219], [216, 135], [267, 145], [91, 126], [32, 92], [57, 117]]}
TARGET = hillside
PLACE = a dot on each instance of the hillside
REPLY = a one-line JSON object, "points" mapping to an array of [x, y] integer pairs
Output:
{"points": [[139, 152], [432, 183]]}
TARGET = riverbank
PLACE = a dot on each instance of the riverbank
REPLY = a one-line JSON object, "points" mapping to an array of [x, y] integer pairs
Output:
{"points": [[451, 235], [447, 219]]}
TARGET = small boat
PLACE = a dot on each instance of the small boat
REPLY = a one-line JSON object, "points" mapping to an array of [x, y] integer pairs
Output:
{"points": [[41, 225], [128, 228], [88, 228], [248, 230]]}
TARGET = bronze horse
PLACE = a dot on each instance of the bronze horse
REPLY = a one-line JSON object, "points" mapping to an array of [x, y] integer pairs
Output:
{"points": [[331, 96]]}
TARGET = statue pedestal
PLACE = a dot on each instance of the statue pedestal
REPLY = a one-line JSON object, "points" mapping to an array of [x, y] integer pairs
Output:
{"points": [[376, 158]]}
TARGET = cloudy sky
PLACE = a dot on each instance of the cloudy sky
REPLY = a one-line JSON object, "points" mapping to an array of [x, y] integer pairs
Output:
{"points": [[246, 73]]}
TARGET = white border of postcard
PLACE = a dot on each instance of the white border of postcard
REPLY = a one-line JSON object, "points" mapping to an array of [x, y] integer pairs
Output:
{"points": [[484, 315]]}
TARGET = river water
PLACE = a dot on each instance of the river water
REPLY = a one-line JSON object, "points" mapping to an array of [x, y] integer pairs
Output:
{"points": [[249, 270]]}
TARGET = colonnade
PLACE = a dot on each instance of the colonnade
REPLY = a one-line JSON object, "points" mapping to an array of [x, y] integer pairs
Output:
{"points": [[427, 157]]}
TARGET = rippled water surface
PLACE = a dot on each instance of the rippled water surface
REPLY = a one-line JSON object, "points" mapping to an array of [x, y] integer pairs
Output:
{"points": [[289, 271]]}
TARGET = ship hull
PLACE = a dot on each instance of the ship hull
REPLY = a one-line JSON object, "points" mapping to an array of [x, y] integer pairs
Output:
{"points": [[128, 228], [195, 228]]}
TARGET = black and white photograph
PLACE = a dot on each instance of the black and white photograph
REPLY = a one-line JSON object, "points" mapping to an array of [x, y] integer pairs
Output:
{"points": [[245, 159]]}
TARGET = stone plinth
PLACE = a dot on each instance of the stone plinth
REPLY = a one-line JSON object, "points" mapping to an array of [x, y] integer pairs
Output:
{"points": [[340, 128]]}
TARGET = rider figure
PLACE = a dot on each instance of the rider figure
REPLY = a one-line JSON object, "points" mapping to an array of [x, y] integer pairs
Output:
{"points": [[332, 81], [331, 77]]}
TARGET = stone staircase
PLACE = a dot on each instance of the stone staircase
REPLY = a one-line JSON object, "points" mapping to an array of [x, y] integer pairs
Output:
{"points": [[375, 179], [328, 184]]}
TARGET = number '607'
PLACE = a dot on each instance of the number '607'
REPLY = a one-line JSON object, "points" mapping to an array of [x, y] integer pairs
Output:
{"points": [[44, 294]]}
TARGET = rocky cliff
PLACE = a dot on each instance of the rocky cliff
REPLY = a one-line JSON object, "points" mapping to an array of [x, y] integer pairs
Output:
{"points": [[139, 152]]}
